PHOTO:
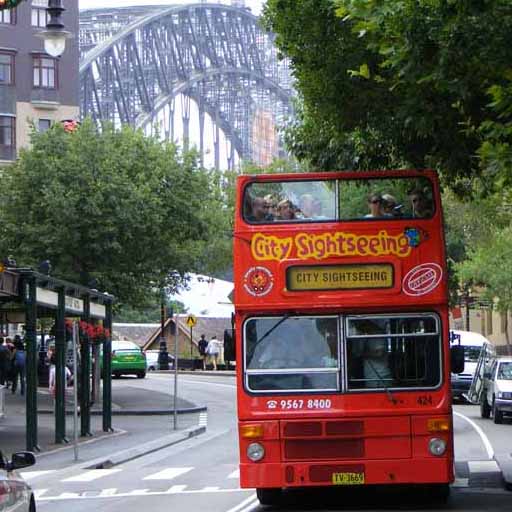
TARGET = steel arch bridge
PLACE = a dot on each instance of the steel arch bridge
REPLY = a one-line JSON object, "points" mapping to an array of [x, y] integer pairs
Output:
{"points": [[146, 66]]}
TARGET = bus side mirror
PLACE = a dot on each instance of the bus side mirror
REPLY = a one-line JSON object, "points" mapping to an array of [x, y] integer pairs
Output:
{"points": [[229, 345], [457, 359]]}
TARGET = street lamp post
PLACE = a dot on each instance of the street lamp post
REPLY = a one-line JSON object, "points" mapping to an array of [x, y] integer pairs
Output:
{"points": [[54, 36]]}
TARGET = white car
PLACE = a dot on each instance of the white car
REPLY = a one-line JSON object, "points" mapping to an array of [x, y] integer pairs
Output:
{"points": [[497, 393], [15, 494], [152, 360]]}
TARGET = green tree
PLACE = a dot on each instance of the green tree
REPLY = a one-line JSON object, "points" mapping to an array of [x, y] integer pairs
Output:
{"points": [[151, 314], [408, 81], [116, 208], [491, 266]]}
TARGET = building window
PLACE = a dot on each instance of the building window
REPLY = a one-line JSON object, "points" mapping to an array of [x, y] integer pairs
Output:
{"points": [[39, 14], [8, 16], [7, 137], [6, 68], [44, 124], [45, 73]]}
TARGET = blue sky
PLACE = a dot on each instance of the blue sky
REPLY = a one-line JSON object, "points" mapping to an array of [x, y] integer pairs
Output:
{"points": [[255, 5]]}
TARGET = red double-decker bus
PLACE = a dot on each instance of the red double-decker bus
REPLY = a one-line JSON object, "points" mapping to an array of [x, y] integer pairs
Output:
{"points": [[341, 321]]}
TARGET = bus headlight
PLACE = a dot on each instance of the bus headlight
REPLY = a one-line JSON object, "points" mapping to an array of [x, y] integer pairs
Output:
{"points": [[255, 452], [437, 446]]}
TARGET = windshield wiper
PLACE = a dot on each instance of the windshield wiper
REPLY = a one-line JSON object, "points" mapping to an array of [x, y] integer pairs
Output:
{"points": [[268, 333], [391, 398]]}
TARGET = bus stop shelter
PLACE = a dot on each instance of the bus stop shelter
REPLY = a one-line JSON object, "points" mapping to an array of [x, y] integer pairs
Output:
{"points": [[26, 297]]}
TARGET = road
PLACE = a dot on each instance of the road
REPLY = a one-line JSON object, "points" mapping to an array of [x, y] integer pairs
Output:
{"points": [[201, 474]]}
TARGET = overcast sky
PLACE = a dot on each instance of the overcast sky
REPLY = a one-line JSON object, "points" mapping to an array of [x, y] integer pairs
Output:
{"points": [[255, 5]]}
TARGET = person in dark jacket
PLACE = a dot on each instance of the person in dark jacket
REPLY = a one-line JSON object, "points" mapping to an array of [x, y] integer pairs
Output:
{"points": [[5, 361], [201, 346], [19, 365]]}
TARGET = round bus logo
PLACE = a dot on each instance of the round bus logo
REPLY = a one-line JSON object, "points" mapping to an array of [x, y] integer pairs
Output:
{"points": [[258, 281], [422, 279]]}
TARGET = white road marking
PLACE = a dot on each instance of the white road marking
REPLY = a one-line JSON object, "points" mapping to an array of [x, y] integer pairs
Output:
{"points": [[210, 489], [235, 474], [175, 489], [108, 492], [203, 419], [168, 474], [76, 496], [461, 482], [483, 466], [91, 474], [250, 503], [139, 492], [30, 475], [480, 432], [203, 382], [39, 492]]}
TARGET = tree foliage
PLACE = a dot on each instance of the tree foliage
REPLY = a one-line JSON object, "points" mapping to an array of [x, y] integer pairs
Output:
{"points": [[117, 210], [413, 81]]}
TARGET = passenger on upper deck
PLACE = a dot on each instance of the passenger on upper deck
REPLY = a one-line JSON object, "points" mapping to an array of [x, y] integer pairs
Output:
{"points": [[390, 206], [258, 212], [421, 206], [307, 206], [271, 205], [375, 206], [285, 210]]}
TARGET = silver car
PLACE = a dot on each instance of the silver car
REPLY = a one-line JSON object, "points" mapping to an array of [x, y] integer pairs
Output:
{"points": [[15, 494]]}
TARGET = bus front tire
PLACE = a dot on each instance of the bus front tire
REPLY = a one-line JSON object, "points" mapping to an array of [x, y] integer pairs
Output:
{"points": [[269, 496], [485, 409]]}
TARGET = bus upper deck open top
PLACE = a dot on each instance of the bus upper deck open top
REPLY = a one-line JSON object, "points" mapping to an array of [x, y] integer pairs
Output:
{"points": [[342, 331]]}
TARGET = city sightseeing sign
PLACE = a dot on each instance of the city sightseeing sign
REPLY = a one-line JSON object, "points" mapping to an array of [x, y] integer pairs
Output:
{"points": [[306, 246]]}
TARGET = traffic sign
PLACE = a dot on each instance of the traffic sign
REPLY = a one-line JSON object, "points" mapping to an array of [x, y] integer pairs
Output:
{"points": [[191, 321]]}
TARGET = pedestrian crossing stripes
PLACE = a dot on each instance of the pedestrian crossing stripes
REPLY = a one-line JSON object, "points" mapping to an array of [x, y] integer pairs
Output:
{"points": [[91, 475], [168, 474], [64, 486]]}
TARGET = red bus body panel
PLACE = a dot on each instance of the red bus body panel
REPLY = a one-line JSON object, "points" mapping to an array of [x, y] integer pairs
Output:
{"points": [[384, 437]]}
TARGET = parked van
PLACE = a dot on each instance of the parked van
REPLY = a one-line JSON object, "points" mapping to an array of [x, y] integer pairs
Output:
{"points": [[472, 343]]}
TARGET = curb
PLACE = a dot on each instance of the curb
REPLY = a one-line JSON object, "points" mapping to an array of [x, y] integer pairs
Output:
{"points": [[135, 412], [505, 464], [210, 373], [145, 449]]}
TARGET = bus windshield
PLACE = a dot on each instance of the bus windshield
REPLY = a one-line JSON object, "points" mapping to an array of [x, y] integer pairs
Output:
{"points": [[332, 200], [304, 353]]}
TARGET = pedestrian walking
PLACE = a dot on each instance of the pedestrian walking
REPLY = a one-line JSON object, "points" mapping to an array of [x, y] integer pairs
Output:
{"points": [[213, 350], [52, 376], [201, 346], [19, 365], [5, 361]]}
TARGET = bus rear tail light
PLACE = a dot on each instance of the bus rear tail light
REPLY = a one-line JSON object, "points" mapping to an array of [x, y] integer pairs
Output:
{"points": [[437, 446], [438, 425], [251, 431], [255, 452]]}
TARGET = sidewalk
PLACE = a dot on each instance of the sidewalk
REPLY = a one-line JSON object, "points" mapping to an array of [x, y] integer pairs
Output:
{"points": [[128, 401]]}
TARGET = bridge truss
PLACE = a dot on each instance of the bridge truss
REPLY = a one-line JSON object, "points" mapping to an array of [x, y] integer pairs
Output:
{"points": [[202, 71]]}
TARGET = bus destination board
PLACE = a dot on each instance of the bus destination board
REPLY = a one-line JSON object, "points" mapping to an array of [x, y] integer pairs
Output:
{"points": [[339, 277]]}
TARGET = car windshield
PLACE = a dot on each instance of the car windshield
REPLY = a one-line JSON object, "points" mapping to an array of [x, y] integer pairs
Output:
{"points": [[303, 353], [505, 370], [124, 345], [471, 354]]}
